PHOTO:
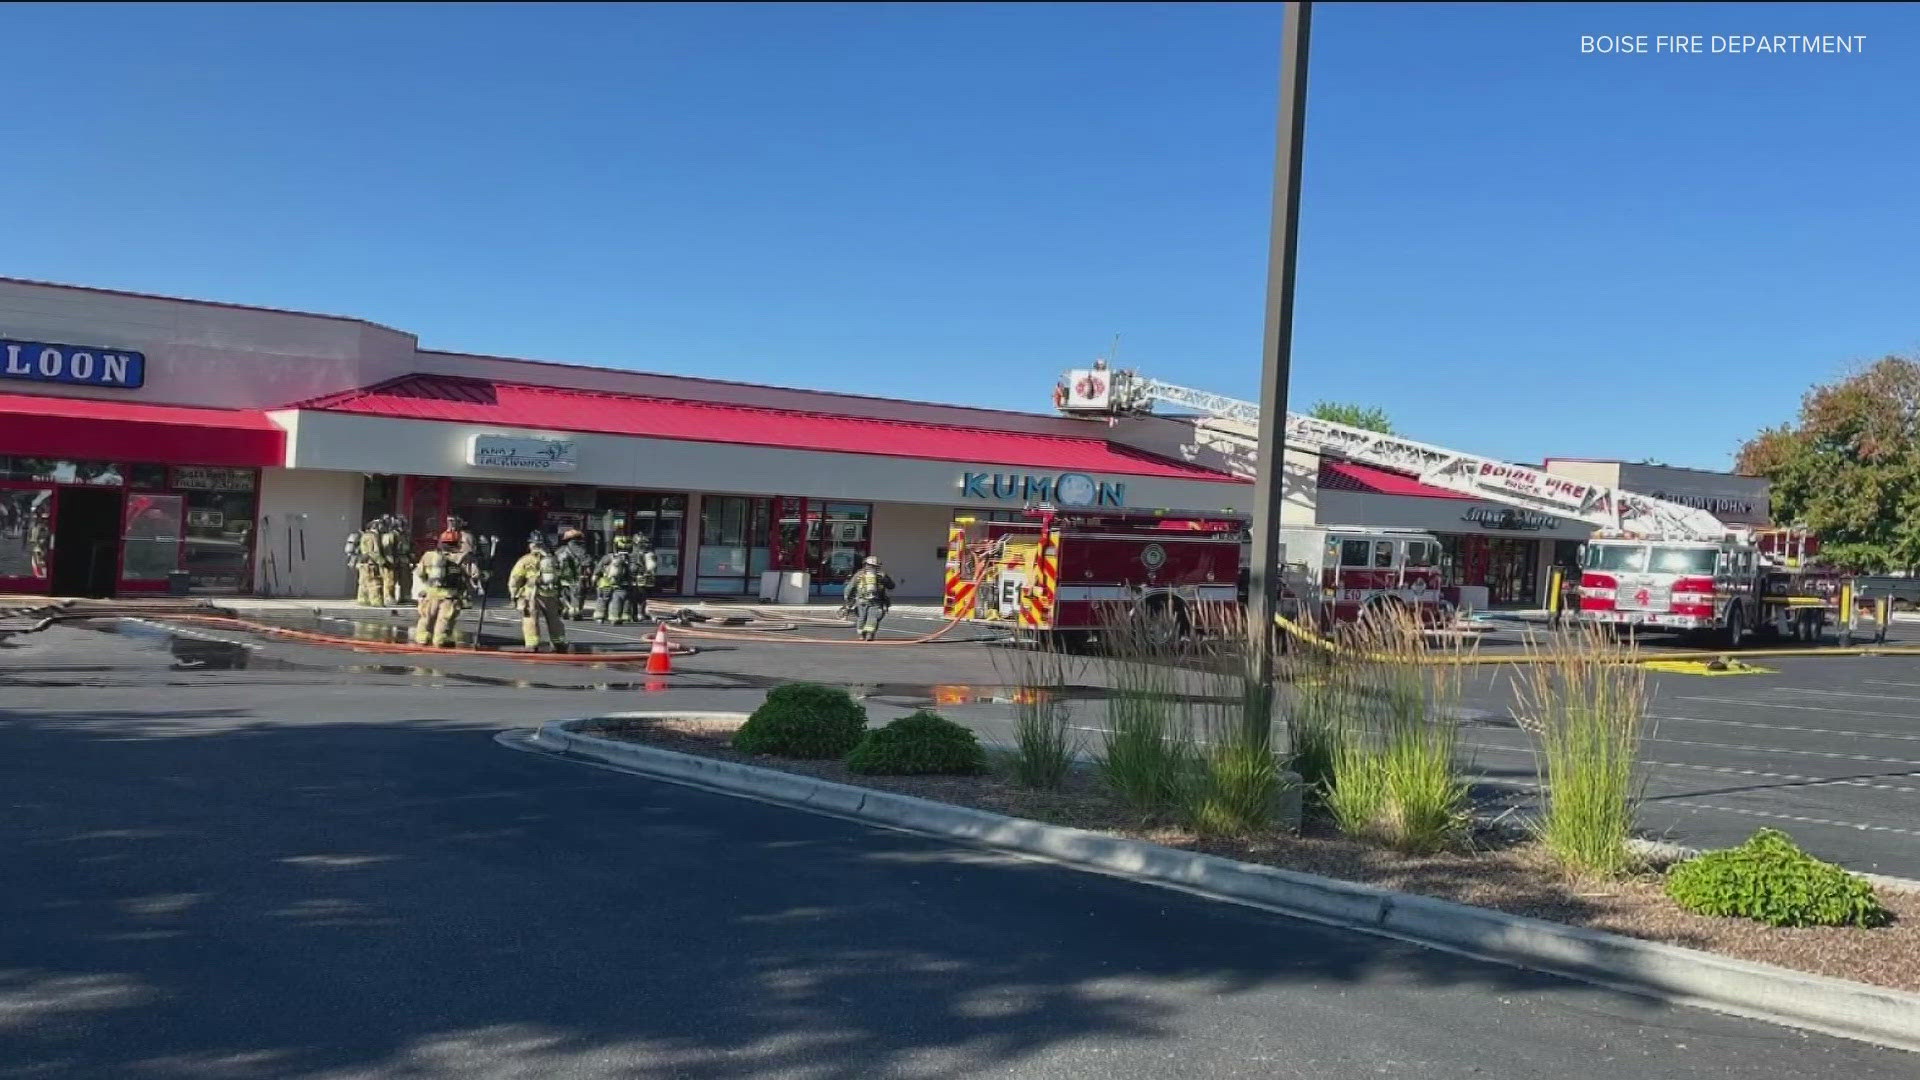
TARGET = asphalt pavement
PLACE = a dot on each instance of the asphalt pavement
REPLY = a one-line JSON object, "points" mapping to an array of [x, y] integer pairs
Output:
{"points": [[281, 869], [1827, 749]]}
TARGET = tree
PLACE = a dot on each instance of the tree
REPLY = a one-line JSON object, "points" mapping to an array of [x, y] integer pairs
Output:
{"points": [[1340, 412], [1849, 468]]}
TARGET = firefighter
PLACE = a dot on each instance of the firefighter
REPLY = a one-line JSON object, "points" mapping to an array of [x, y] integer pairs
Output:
{"points": [[646, 572], [869, 596], [396, 571], [535, 586], [613, 580], [576, 575], [371, 564], [458, 525], [448, 577]]}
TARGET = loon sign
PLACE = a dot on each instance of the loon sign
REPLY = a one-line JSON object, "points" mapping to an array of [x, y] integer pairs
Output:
{"points": [[75, 365], [1065, 489]]}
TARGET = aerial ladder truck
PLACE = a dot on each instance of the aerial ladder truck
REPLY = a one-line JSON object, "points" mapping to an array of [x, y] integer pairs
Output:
{"points": [[1650, 564]]}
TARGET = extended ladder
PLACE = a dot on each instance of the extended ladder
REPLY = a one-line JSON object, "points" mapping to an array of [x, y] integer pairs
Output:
{"points": [[1236, 424]]}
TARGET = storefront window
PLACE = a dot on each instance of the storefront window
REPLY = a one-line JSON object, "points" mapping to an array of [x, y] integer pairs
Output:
{"points": [[212, 478], [733, 552], [978, 514], [26, 533], [838, 538], [60, 471], [219, 539], [379, 495], [150, 477], [661, 518], [150, 543]]}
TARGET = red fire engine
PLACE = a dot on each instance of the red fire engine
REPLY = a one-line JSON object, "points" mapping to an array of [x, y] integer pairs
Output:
{"points": [[1073, 571]]}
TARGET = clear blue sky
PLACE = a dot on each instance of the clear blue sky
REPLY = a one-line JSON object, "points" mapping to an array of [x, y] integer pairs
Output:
{"points": [[1509, 246]]}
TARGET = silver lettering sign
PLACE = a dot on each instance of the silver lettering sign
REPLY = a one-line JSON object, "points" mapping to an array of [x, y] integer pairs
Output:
{"points": [[521, 454]]}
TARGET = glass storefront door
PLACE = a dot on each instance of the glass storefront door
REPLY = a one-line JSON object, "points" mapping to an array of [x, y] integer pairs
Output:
{"points": [[26, 537], [150, 540], [1513, 576], [839, 537], [735, 532]]}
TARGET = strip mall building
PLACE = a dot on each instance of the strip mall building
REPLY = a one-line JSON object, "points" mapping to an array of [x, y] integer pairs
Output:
{"points": [[150, 442]]}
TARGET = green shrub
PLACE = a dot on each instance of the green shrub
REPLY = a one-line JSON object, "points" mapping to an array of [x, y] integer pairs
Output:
{"points": [[1771, 880], [924, 742], [803, 720]]}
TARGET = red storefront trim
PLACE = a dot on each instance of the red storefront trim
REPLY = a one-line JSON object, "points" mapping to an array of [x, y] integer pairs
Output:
{"points": [[87, 428]]}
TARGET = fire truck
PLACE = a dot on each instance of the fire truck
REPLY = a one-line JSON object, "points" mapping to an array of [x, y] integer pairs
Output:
{"points": [[1722, 586], [1073, 572], [1651, 563]]}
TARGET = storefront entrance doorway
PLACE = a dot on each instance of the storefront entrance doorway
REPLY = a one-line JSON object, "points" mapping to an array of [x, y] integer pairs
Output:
{"points": [[86, 541], [509, 526]]}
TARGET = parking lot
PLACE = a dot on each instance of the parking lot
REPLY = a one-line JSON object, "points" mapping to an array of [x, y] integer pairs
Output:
{"points": [[1825, 748]]}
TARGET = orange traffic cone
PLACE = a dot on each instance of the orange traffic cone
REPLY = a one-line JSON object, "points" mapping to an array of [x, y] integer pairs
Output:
{"points": [[660, 660]]}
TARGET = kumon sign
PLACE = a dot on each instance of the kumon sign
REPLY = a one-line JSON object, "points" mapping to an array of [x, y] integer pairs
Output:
{"points": [[1064, 489]]}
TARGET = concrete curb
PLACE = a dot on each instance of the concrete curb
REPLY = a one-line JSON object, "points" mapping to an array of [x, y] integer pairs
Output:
{"points": [[1666, 972]]}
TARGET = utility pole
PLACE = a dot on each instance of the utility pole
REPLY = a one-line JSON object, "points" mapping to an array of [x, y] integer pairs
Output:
{"points": [[1276, 365]]}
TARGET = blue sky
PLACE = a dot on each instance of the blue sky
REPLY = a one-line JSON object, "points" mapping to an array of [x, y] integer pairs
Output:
{"points": [[1512, 247]]}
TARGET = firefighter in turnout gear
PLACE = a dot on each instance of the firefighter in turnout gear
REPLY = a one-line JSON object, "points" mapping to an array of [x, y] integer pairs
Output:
{"points": [[447, 575], [613, 580], [646, 572], [576, 574], [458, 526], [868, 594], [394, 569], [535, 585], [363, 551]]}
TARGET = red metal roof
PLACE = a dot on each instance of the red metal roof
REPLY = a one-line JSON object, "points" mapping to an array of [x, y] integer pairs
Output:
{"points": [[1350, 476], [64, 427], [519, 405]]}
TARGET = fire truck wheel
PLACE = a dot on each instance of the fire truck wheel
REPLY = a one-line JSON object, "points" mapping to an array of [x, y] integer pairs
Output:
{"points": [[1736, 628]]}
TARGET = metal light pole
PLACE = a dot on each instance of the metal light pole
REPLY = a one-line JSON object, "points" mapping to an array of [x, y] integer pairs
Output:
{"points": [[1276, 363]]}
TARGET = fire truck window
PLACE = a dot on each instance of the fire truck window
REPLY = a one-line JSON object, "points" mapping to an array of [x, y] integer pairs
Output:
{"points": [[1383, 554], [1355, 553], [1631, 559], [1678, 560], [1419, 553]]}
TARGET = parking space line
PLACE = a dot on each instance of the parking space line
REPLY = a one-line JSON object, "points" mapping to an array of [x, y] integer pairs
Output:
{"points": [[1855, 825], [1743, 748], [1803, 708], [1839, 693], [1789, 727], [1796, 780]]}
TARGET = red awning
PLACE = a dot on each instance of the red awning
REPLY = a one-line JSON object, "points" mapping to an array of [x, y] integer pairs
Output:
{"points": [[519, 405], [1349, 476], [89, 428]]}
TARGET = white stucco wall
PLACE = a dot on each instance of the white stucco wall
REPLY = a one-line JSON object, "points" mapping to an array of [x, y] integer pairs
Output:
{"points": [[204, 354], [330, 503], [908, 539], [342, 442]]}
